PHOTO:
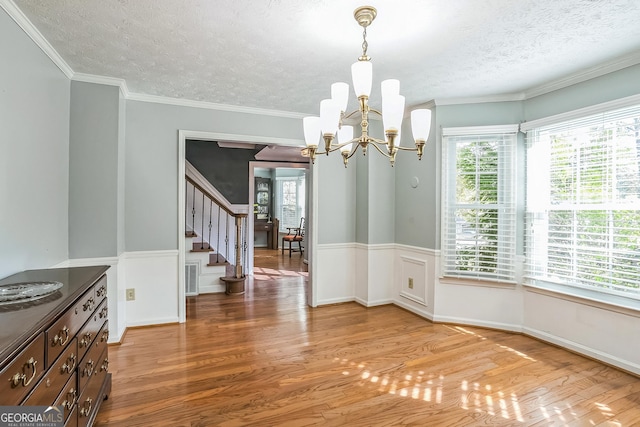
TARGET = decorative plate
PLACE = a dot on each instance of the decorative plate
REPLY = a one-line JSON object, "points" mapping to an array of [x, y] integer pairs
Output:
{"points": [[26, 291]]}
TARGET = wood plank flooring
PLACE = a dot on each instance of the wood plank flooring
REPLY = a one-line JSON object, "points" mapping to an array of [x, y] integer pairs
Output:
{"points": [[266, 359]]}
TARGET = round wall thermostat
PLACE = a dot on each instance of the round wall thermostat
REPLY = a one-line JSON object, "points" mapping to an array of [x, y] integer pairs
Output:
{"points": [[414, 182]]}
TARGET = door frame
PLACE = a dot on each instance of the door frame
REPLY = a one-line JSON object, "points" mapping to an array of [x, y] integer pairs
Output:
{"points": [[183, 135], [250, 219]]}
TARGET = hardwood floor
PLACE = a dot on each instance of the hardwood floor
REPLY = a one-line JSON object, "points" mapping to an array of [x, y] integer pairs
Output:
{"points": [[266, 359]]}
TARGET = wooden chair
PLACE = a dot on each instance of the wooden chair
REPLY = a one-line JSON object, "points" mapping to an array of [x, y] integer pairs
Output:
{"points": [[294, 234]]}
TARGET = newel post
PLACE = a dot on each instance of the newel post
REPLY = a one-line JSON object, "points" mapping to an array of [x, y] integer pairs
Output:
{"points": [[235, 284]]}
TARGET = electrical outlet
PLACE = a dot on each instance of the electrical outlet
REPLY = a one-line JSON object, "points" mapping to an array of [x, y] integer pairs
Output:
{"points": [[410, 282], [131, 294]]}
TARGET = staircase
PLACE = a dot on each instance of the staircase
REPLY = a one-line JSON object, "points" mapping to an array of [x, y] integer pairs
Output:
{"points": [[215, 240], [210, 266]]}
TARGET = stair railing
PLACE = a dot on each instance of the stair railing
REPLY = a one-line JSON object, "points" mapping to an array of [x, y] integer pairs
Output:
{"points": [[206, 210]]}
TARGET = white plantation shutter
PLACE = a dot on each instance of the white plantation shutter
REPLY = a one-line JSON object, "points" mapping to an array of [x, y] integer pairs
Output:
{"points": [[290, 201], [583, 203], [479, 209]]}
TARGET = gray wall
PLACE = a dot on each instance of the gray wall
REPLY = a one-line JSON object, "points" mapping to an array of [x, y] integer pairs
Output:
{"points": [[93, 171], [34, 147], [226, 168], [151, 196], [417, 209], [336, 210], [612, 86], [121, 169]]}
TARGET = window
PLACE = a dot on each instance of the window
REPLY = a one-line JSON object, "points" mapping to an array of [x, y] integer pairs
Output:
{"points": [[290, 201], [478, 212], [583, 203]]}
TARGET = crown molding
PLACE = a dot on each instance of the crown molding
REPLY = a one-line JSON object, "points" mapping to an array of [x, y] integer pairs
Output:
{"points": [[509, 97], [572, 79], [213, 106], [103, 80], [23, 22], [584, 75], [231, 137]]}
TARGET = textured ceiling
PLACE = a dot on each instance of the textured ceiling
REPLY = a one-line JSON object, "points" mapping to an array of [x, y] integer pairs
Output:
{"points": [[284, 54]]}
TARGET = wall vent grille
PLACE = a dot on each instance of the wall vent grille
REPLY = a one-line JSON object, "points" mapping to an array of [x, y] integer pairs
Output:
{"points": [[191, 279]]}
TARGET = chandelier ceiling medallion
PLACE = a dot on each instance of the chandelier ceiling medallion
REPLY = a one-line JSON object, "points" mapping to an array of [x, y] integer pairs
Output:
{"points": [[332, 112]]}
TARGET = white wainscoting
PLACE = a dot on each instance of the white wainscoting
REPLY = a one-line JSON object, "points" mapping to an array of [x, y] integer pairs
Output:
{"points": [[374, 274], [154, 277], [335, 273], [607, 335]]}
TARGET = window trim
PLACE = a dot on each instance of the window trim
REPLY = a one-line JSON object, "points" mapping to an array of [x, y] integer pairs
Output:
{"points": [[476, 277], [607, 298]]}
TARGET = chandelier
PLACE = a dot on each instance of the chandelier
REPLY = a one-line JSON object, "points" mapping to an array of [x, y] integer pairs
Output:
{"points": [[330, 125]]}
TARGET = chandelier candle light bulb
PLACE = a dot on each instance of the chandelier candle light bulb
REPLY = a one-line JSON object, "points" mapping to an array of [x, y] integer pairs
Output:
{"points": [[332, 112]]}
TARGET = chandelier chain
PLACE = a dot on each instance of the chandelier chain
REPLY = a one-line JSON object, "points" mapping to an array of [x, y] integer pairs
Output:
{"points": [[365, 45]]}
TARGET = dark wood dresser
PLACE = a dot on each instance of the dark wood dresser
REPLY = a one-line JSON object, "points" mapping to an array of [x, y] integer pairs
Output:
{"points": [[53, 351]]}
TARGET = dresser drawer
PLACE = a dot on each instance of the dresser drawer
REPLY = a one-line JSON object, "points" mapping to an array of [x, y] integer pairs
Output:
{"points": [[90, 330], [101, 289], [45, 393], [68, 398], [91, 396], [72, 420], [19, 377], [65, 328], [89, 364]]}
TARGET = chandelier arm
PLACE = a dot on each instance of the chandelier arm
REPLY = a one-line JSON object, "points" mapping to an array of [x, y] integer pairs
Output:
{"points": [[373, 110], [376, 140], [380, 150], [348, 116], [406, 148], [353, 151], [339, 146]]}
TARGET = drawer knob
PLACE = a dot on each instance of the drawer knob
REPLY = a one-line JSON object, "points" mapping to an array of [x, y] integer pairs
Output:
{"points": [[103, 312], [88, 368], [61, 337], [86, 340], [89, 305], [23, 377], [69, 365], [105, 365], [102, 291], [105, 336], [70, 400], [85, 410]]}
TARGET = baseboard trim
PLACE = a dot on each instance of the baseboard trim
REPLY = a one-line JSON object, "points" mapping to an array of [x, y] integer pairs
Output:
{"points": [[373, 303], [336, 301], [630, 367], [153, 322], [480, 323]]}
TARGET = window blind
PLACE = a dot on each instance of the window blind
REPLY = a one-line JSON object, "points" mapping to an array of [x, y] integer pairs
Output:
{"points": [[290, 201], [583, 203], [478, 209]]}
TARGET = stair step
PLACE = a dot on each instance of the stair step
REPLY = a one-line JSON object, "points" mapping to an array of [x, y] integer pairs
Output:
{"points": [[201, 247], [190, 234], [216, 259]]}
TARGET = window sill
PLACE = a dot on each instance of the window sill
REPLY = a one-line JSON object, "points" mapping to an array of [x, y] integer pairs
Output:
{"points": [[592, 298], [448, 280]]}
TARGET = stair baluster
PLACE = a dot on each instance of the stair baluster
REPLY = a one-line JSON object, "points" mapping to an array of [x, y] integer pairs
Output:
{"points": [[210, 211], [193, 212], [218, 244], [202, 236]]}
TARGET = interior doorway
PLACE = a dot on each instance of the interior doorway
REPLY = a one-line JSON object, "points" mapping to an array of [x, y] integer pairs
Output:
{"points": [[284, 200], [183, 136]]}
